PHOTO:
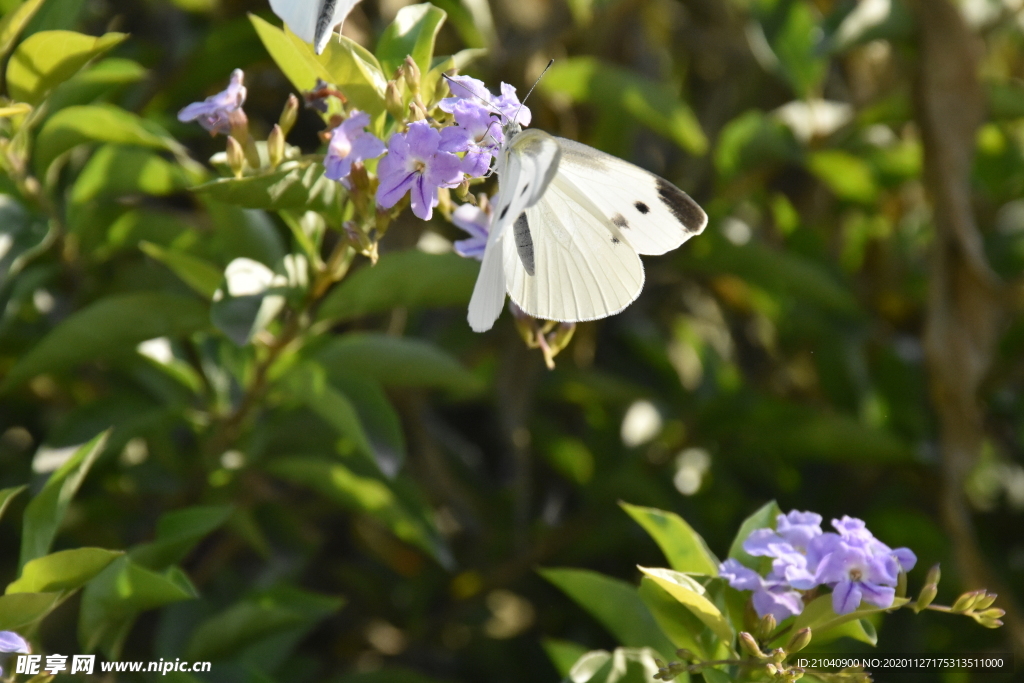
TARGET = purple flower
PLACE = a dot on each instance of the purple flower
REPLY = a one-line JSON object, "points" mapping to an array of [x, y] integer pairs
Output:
{"points": [[350, 143], [477, 223], [771, 596], [414, 164], [12, 642], [466, 88], [855, 574], [798, 528], [478, 134], [855, 533], [216, 113]]}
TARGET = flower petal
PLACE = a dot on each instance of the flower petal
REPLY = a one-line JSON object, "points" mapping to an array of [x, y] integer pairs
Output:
{"points": [[423, 198], [846, 597]]}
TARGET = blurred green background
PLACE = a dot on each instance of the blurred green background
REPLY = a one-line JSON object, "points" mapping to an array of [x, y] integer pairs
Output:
{"points": [[782, 354]]}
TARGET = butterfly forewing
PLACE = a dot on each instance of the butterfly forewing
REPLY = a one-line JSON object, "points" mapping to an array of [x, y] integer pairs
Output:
{"points": [[300, 16], [527, 164], [652, 214], [580, 269]]}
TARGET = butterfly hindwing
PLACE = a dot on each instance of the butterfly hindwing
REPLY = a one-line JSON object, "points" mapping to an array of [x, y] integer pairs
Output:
{"points": [[653, 214], [300, 16], [564, 262]]}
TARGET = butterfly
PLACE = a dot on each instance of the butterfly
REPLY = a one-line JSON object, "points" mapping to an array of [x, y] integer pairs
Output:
{"points": [[569, 225], [313, 20]]}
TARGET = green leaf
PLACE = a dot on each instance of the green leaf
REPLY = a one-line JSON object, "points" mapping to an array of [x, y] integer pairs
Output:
{"points": [[22, 609], [378, 417], [48, 58], [249, 621], [66, 570], [101, 80], [243, 317], [396, 361], [114, 171], [177, 533], [7, 495], [13, 22], [684, 548], [202, 276], [113, 600], [624, 665], [412, 33], [343, 63], [716, 676], [819, 617], [45, 512], [691, 594], [293, 185], [656, 105], [308, 384], [563, 654], [796, 45], [848, 177], [410, 279], [677, 622], [753, 140], [764, 518], [615, 604], [73, 126], [107, 328]]}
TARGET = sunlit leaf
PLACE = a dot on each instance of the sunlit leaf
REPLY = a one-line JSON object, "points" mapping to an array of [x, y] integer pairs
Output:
{"points": [[202, 276], [691, 594], [62, 571], [18, 610], [763, 518], [48, 58], [684, 548], [13, 22], [412, 33]]}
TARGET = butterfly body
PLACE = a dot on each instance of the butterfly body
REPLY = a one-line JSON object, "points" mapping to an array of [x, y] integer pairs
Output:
{"points": [[569, 225]]}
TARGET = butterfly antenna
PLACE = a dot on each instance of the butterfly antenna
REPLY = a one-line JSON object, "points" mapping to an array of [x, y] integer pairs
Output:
{"points": [[535, 84]]}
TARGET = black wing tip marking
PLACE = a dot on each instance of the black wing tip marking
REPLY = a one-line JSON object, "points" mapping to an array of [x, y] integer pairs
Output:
{"points": [[685, 210], [619, 221]]}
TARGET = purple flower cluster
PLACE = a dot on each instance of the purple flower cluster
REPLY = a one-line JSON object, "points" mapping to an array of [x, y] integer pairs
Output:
{"points": [[851, 562], [11, 642], [350, 143]]}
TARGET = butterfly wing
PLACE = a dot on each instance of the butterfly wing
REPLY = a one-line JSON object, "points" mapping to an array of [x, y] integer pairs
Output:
{"points": [[653, 215], [299, 15], [563, 261], [332, 13], [526, 164]]}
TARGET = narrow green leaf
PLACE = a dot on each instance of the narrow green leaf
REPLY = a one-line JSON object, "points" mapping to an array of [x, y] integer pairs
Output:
{"points": [[411, 279], [22, 609], [177, 533], [13, 22], [66, 570], [45, 512], [308, 384], [396, 361], [293, 185], [7, 495], [412, 33], [202, 276], [691, 594], [73, 126], [114, 171], [849, 177], [48, 58], [615, 604], [684, 548], [764, 518], [107, 328], [113, 600]]}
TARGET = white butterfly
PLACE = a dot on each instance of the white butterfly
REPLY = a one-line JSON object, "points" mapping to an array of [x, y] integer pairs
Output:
{"points": [[568, 227], [313, 20]]}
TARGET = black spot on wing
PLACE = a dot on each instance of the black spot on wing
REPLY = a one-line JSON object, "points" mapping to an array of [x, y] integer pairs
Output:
{"points": [[615, 240], [524, 242], [619, 221], [685, 210], [641, 207]]}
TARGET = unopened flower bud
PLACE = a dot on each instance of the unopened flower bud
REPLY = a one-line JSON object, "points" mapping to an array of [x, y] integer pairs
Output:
{"points": [[965, 601], [765, 627], [926, 596], [412, 74], [685, 655], [993, 613], [561, 337], [236, 156], [749, 645], [275, 145], [393, 101], [985, 601], [799, 641], [934, 574], [989, 623], [778, 655], [289, 115], [901, 585], [772, 670]]}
